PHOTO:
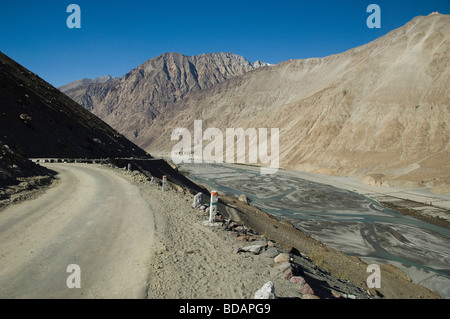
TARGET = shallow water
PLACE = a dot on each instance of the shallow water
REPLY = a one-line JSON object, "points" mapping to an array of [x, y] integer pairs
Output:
{"points": [[339, 218]]}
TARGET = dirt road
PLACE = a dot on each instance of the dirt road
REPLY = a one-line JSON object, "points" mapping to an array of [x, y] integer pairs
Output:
{"points": [[94, 219], [131, 239]]}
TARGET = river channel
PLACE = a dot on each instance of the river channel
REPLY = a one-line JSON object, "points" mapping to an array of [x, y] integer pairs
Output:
{"points": [[341, 219]]}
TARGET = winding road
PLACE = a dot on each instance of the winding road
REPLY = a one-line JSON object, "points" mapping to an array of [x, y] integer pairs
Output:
{"points": [[93, 218]]}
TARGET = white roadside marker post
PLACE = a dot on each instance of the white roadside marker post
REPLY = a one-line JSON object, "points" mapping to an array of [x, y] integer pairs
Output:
{"points": [[213, 205], [164, 183]]}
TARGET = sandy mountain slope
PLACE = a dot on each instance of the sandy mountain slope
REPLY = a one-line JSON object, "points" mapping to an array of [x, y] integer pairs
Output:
{"points": [[380, 111], [130, 104]]}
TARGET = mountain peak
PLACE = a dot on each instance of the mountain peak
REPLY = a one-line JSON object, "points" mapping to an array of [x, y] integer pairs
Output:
{"points": [[221, 57], [85, 82], [150, 87]]}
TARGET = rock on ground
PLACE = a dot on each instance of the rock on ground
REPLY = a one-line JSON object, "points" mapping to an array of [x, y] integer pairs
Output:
{"points": [[266, 292]]}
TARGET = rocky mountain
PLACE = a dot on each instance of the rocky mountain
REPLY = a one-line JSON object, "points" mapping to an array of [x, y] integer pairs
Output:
{"points": [[380, 111], [86, 82], [37, 120], [131, 103]]}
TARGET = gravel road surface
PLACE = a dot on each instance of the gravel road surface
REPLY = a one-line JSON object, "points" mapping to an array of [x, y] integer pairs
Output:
{"points": [[93, 218]]}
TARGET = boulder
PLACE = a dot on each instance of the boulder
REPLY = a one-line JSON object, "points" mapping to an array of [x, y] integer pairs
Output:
{"points": [[298, 280], [266, 292], [284, 266], [197, 200], [281, 258], [255, 249], [336, 294], [26, 118], [243, 198], [260, 242], [245, 238], [309, 296], [288, 274], [306, 290], [271, 252]]}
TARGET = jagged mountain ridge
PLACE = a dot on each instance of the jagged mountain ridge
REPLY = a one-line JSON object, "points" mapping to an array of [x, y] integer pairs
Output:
{"points": [[131, 103], [380, 111]]}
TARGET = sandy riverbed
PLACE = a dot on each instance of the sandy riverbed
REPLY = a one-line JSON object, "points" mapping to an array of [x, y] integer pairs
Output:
{"points": [[331, 210]]}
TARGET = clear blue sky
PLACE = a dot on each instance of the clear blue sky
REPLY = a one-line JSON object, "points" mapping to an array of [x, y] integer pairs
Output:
{"points": [[116, 36]]}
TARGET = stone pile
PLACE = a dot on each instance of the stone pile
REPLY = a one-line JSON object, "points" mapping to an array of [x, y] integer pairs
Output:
{"points": [[282, 261], [198, 203]]}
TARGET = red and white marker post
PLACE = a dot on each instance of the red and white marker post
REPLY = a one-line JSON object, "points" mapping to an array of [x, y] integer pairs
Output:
{"points": [[164, 183], [213, 206]]}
